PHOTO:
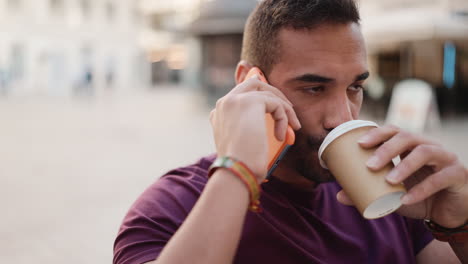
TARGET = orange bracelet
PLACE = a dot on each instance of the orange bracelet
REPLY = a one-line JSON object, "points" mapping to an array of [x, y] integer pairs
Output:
{"points": [[244, 174]]}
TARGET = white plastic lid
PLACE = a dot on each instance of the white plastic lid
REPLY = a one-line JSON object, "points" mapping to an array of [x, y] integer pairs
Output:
{"points": [[340, 130]]}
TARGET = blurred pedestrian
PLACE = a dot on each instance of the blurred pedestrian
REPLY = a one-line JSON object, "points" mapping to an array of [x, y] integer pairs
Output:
{"points": [[3, 82]]}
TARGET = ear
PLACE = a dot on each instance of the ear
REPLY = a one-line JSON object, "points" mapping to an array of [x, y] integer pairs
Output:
{"points": [[243, 67]]}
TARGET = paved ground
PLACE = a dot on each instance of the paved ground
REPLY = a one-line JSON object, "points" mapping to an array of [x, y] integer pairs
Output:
{"points": [[69, 170]]}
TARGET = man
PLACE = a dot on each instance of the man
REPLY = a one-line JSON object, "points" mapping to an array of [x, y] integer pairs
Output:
{"points": [[313, 55]]}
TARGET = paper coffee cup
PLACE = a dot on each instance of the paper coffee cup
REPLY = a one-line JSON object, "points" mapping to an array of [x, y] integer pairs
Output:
{"points": [[372, 195]]}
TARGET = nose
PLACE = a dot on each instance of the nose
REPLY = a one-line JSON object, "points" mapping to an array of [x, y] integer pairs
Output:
{"points": [[338, 112]]}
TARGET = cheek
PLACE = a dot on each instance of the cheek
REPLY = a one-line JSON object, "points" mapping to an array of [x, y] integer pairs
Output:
{"points": [[311, 119], [355, 105]]}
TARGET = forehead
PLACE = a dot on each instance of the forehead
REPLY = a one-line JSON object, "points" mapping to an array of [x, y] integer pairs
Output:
{"points": [[326, 48]]}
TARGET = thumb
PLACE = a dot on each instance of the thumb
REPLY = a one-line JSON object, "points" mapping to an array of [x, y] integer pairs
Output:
{"points": [[343, 198]]}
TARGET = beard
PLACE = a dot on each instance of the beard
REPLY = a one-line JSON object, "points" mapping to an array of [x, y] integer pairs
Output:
{"points": [[303, 157]]}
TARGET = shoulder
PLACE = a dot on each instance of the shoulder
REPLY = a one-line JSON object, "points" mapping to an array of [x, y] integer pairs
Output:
{"points": [[177, 190], [159, 211]]}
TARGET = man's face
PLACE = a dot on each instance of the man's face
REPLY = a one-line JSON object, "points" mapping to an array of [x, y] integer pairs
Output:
{"points": [[321, 71]]}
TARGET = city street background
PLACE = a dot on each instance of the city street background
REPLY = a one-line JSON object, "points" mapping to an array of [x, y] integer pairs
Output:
{"points": [[98, 98], [71, 169]]}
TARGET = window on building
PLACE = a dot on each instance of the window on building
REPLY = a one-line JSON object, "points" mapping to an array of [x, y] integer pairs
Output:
{"points": [[57, 7], [110, 11]]}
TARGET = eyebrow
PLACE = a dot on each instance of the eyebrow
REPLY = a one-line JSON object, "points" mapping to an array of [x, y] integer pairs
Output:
{"points": [[314, 78], [362, 76]]}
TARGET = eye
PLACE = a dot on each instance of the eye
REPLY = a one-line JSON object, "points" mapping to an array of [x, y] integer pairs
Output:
{"points": [[314, 90], [356, 87]]}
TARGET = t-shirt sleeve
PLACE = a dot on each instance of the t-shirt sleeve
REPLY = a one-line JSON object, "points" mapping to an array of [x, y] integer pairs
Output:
{"points": [[420, 235], [154, 218]]}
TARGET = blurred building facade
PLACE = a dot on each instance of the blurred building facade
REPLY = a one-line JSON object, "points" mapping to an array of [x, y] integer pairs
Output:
{"points": [[66, 47], [196, 41], [422, 39], [172, 52], [219, 28]]}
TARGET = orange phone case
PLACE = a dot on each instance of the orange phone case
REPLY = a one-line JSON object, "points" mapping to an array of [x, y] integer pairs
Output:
{"points": [[276, 149]]}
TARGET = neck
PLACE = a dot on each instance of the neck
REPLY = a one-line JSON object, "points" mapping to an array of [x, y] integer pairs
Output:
{"points": [[292, 177]]}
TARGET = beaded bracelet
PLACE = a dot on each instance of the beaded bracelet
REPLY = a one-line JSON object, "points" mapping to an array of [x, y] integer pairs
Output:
{"points": [[243, 172]]}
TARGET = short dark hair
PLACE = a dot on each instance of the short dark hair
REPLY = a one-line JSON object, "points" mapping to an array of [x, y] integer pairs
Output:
{"points": [[260, 44]]}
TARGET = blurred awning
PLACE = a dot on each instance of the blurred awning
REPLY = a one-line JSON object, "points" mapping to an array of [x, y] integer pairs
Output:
{"points": [[407, 25], [216, 26], [222, 17]]}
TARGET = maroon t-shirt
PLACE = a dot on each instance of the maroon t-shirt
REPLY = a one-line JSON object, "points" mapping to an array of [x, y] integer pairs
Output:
{"points": [[294, 227]]}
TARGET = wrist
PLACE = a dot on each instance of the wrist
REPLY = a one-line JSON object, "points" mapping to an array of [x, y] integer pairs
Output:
{"points": [[257, 168], [242, 172], [453, 235], [223, 178]]}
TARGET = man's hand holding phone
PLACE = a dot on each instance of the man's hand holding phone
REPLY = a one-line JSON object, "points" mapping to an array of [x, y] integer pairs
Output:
{"points": [[238, 123]]}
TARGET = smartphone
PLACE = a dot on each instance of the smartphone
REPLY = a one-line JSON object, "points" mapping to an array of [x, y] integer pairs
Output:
{"points": [[276, 149]]}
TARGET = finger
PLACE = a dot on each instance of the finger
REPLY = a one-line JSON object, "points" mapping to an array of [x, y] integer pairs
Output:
{"points": [[416, 211], [254, 84], [418, 176], [281, 123], [422, 155], [212, 115], [434, 183], [292, 118], [378, 135], [343, 198], [277, 108], [398, 144]]}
